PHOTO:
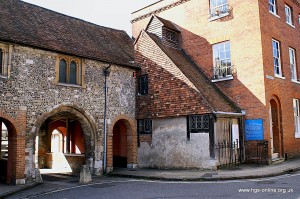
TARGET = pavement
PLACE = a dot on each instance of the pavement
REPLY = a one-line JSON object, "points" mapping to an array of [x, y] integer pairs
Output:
{"points": [[243, 171]]}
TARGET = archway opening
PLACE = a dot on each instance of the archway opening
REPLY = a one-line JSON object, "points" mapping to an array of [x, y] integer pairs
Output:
{"points": [[275, 130], [7, 154], [120, 145], [60, 144]]}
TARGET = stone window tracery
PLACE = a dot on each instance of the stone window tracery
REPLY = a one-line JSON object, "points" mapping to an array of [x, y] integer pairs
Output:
{"points": [[69, 71], [5, 54]]}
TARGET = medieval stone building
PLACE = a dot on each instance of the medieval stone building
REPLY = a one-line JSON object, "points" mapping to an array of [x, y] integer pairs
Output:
{"points": [[53, 71]]}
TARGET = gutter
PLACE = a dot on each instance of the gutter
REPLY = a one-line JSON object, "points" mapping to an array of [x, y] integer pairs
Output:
{"points": [[228, 114], [106, 74]]}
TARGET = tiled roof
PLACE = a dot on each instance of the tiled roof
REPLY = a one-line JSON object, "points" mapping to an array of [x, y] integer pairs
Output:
{"points": [[31, 25], [168, 24], [216, 98]]}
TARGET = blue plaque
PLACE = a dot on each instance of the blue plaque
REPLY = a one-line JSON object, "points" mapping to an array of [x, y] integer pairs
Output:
{"points": [[254, 130]]}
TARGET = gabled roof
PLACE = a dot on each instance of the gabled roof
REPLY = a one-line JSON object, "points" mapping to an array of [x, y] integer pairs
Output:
{"points": [[165, 23], [214, 96], [31, 25]]}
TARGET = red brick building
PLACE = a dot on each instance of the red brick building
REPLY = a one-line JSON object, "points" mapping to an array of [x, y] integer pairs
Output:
{"points": [[249, 50]]}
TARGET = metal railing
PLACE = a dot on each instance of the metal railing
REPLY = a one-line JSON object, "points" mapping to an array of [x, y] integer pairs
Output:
{"points": [[222, 71], [219, 11], [262, 152], [228, 154]]}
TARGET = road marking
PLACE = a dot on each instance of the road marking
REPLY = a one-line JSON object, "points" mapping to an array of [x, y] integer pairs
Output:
{"points": [[165, 182]]}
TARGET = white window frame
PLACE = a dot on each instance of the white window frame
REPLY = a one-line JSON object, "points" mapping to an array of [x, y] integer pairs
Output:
{"points": [[296, 117], [288, 15], [220, 71], [218, 9], [293, 65], [272, 4], [276, 56]]}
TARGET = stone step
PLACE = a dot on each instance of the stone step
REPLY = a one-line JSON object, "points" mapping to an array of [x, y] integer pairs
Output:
{"points": [[275, 155], [277, 160]]}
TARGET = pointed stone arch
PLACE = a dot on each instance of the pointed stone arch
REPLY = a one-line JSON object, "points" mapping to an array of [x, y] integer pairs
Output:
{"points": [[88, 126]]}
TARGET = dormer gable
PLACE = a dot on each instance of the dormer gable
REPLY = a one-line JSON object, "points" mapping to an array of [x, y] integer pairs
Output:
{"points": [[165, 30]]}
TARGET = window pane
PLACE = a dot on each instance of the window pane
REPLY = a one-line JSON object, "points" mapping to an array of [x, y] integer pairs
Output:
{"points": [[293, 64], [143, 85], [73, 72], [276, 56], [272, 6], [62, 71], [227, 46], [222, 60], [296, 115], [227, 54]]}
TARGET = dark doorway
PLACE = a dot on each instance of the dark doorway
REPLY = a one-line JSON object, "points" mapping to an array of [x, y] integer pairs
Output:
{"points": [[275, 130], [120, 145]]}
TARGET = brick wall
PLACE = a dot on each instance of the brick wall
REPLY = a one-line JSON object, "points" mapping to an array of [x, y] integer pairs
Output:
{"points": [[274, 27], [250, 28]]}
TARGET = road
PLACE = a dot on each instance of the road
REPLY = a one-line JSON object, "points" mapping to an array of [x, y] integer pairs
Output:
{"points": [[286, 186]]}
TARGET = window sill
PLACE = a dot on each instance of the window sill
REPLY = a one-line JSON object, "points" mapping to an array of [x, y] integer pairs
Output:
{"points": [[274, 14], [69, 85], [141, 94], [297, 135], [290, 24], [141, 134], [3, 77], [218, 17], [297, 82], [280, 77], [223, 79]]}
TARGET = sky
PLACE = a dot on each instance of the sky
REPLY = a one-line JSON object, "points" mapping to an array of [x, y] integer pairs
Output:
{"points": [[108, 13]]}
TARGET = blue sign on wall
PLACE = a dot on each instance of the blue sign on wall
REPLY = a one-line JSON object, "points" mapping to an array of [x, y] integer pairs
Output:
{"points": [[254, 130]]}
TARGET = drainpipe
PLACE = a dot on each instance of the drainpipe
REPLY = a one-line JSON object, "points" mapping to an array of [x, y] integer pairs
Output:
{"points": [[106, 74]]}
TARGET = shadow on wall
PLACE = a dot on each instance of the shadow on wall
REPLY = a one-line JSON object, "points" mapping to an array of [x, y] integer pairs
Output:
{"points": [[168, 94]]}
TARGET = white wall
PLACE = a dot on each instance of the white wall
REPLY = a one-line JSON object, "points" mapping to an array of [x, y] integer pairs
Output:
{"points": [[170, 147]]}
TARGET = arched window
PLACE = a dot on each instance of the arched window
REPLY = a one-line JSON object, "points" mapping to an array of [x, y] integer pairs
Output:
{"points": [[62, 71], [69, 70], [73, 72]]}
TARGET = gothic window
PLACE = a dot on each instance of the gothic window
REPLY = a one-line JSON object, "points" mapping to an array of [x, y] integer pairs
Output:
{"points": [[69, 71], [5, 54], [63, 71], [73, 72]]}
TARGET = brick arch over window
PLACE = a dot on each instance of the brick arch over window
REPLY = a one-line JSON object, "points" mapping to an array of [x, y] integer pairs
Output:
{"points": [[131, 131], [16, 153], [88, 125]]}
